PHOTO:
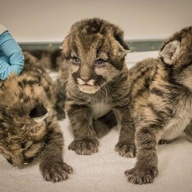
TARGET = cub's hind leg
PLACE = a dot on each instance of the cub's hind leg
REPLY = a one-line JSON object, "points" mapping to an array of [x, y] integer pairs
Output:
{"points": [[104, 124], [60, 99]]}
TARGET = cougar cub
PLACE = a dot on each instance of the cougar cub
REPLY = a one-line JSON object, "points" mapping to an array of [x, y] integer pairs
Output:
{"points": [[95, 79], [162, 102], [28, 124]]}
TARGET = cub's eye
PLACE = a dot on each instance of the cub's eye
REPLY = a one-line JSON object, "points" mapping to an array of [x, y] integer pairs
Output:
{"points": [[100, 62], [75, 60]]}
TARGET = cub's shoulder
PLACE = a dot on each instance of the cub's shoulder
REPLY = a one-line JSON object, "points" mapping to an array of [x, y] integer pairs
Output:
{"points": [[145, 65]]}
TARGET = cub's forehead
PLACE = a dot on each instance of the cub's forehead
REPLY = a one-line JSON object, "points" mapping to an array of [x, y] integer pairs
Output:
{"points": [[91, 31], [19, 102], [91, 27], [94, 36], [185, 33], [14, 91], [89, 35]]}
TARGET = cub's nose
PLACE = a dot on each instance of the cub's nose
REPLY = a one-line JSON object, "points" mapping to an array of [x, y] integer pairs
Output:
{"points": [[85, 80]]}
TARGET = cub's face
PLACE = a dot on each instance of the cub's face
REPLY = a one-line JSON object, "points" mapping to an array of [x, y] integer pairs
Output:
{"points": [[23, 108], [94, 51], [177, 53]]}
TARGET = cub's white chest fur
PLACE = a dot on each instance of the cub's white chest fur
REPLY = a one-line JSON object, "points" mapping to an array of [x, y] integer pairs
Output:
{"points": [[177, 125], [99, 109]]}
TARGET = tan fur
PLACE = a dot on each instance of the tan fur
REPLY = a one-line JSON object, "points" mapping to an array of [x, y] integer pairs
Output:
{"points": [[161, 102], [49, 58], [96, 86], [28, 124]]}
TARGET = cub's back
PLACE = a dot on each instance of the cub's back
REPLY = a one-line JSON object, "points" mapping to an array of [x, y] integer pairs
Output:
{"points": [[34, 73], [141, 76]]}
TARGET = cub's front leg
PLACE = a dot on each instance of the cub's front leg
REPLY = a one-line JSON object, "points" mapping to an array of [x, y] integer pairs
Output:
{"points": [[85, 142], [52, 166], [145, 169], [125, 146]]}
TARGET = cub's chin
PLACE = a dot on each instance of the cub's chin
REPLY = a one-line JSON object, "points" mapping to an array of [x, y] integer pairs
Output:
{"points": [[90, 89]]}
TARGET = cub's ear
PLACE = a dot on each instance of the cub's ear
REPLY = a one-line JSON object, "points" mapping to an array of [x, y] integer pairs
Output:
{"points": [[29, 58], [63, 44], [38, 113], [169, 51], [118, 35], [65, 47]]}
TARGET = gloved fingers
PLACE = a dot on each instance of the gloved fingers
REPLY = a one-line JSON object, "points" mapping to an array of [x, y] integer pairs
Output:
{"points": [[7, 42], [16, 59], [16, 69], [4, 58], [11, 49], [4, 67]]}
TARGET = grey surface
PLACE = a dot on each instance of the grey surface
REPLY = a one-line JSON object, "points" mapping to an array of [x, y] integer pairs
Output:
{"points": [[135, 46]]}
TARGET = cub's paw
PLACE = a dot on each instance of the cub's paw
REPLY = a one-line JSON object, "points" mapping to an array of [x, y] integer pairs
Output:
{"points": [[55, 170], [85, 146], [142, 175], [126, 149]]}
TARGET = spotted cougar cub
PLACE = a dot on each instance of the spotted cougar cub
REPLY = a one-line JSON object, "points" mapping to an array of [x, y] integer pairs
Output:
{"points": [[28, 124], [97, 84], [162, 102]]}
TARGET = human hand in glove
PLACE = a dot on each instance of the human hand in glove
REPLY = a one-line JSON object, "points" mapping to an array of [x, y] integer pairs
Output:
{"points": [[11, 56]]}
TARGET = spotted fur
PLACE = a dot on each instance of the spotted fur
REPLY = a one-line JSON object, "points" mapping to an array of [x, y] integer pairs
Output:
{"points": [[161, 92], [95, 79], [28, 124], [50, 59]]}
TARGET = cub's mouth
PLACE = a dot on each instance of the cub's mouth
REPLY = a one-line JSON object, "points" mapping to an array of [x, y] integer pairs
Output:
{"points": [[25, 156], [86, 88], [24, 163]]}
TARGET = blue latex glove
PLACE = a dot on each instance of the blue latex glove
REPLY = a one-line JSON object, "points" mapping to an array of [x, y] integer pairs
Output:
{"points": [[11, 56]]}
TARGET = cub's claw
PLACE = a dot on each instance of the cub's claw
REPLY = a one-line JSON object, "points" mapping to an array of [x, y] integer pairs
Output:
{"points": [[55, 171], [141, 176], [85, 146], [126, 149]]}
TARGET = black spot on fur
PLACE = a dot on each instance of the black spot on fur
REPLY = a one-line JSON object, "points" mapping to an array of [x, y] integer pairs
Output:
{"points": [[94, 27], [157, 91], [30, 82]]}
